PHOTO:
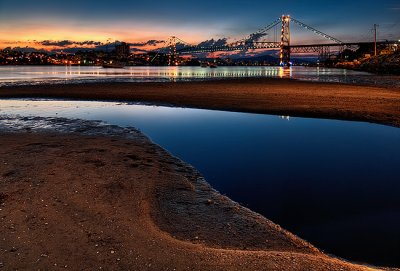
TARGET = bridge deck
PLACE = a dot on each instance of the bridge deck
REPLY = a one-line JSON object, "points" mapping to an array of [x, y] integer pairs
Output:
{"points": [[273, 45]]}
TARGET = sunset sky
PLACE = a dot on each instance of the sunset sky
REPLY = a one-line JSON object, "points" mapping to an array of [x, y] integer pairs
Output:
{"points": [[45, 23]]}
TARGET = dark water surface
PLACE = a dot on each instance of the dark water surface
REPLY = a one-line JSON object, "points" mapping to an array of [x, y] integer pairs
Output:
{"points": [[333, 183]]}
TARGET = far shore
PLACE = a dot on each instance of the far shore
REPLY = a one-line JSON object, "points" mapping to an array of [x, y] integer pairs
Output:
{"points": [[256, 95]]}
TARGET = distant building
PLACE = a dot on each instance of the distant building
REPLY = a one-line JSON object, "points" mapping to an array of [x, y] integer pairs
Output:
{"points": [[122, 49]]}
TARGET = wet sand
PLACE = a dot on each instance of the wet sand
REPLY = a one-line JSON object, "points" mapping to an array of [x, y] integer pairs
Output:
{"points": [[79, 202], [266, 95]]}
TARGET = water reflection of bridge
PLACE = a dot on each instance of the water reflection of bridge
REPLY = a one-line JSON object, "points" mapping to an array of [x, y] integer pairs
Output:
{"points": [[175, 46]]}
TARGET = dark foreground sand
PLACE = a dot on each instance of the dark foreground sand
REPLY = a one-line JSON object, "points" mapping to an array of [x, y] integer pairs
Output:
{"points": [[268, 95], [77, 202]]}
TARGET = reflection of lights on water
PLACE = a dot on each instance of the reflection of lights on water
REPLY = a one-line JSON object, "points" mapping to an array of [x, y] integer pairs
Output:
{"points": [[35, 75], [285, 118], [280, 72], [285, 72]]}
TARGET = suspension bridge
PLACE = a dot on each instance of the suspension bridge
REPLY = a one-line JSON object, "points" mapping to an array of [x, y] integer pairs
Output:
{"points": [[175, 46]]}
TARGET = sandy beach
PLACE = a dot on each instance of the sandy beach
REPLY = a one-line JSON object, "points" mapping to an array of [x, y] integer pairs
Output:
{"points": [[99, 202], [261, 95]]}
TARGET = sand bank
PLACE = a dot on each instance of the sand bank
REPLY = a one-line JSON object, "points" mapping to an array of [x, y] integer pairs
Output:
{"points": [[268, 95]]}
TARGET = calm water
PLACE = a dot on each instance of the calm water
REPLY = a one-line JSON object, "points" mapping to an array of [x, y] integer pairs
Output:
{"points": [[12, 75], [333, 183]]}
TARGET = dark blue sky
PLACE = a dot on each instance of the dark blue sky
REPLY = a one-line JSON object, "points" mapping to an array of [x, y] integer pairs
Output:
{"points": [[194, 21]]}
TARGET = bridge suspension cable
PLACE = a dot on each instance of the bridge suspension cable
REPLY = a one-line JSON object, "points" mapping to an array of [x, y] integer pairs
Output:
{"points": [[170, 44], [258, 32], [245, 43], [316, 31], [178, 40]]}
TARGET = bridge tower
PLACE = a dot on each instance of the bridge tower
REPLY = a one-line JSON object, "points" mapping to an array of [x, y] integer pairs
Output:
{"points": [[285, 41], [172, 56]]}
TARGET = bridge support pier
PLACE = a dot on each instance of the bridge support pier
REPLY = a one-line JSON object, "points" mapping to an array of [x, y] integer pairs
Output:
{"points": [[324, 53], [285, 41]]}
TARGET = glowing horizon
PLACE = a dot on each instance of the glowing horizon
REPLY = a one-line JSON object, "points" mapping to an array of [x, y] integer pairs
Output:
{"points": [[25, 23]]}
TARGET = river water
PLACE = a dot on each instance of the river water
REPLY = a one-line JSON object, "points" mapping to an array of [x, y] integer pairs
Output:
{"points": [[333, 183], [17, 75]]}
